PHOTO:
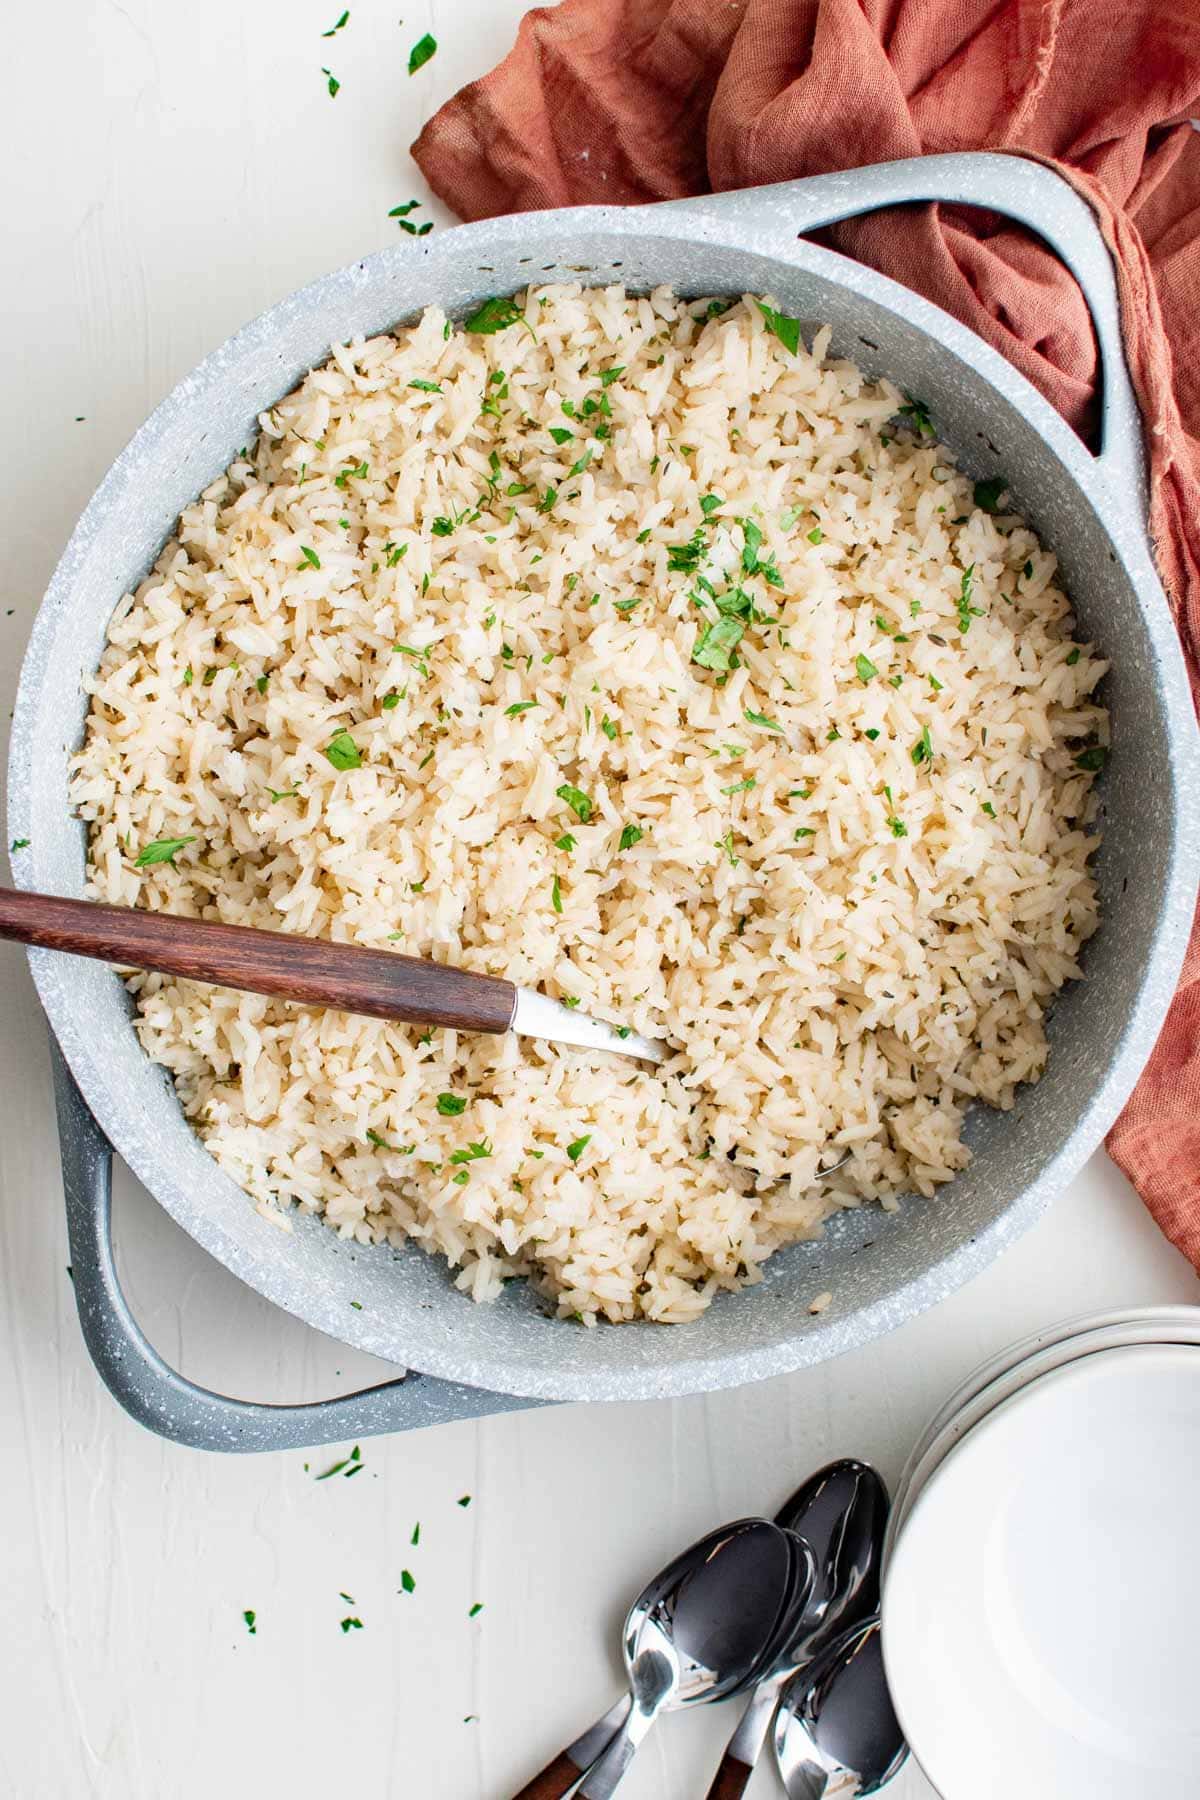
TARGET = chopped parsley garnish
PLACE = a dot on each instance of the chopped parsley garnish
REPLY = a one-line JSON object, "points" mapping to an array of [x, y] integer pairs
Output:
{"points": [[1092, 759], [1027, 571], [424, 48], [740, 787], [709, 503], [987, 493], [785, 328], [576, 1150], [917, 414], [351, 1624], [922, 750], [967, 612], [343, 752], [495, 315], [402, 212], [865, 669], [726, 844], [476, 1609], [683, 559], [803, 831], [815, 535], [627, 606], [334, 29], [520, 706], [560, 435], [349, 1465], [754, 718], [472, 1153], [395, 553], [630, 835], [373, 1137], [18, 844], [608, 376], [577, 800], [333, 83], [578, 467], [565, 842], [556, 895], [872, 733], [262, 683], [464, 1500], [359, 470], [1073, 658], [898, 828], [162, 850], [716, 644], [451, 1105], [608, 728], [989, 809], [249, 1615], [310, 556], [547, 502], [390, 702], [935, 684], [188, 676], [426, 387]]}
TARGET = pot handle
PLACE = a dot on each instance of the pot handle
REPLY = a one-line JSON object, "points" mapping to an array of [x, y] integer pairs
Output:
{"points": [[152, 1393], [1021, 189]]}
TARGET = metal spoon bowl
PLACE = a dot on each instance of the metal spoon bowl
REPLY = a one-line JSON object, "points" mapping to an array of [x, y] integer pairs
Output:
{"points": [[836, 1731], [701, 1631], [841, 1512]]}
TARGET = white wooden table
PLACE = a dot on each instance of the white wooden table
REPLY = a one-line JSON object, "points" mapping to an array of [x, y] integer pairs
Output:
{"points": [[171, 169]]}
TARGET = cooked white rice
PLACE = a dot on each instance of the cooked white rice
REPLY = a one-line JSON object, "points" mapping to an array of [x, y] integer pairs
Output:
{"points": [[862, 871]]}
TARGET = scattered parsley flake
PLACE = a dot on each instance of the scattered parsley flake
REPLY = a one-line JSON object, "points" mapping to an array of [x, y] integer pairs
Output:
{"points": [[577, 800], [402, 212], [935, 684], [426, 387], [310, 556], [803, 831], [967, 612], [560, 435], [740, 787], [576, 1150], [1092, 759], [715, 644], [162, 850], [473, 1152], [476, 1609], [348, 1464], [630, 835], [872, 733], [922, 750], [726, 844], [451, 1105], [754, 718], [898, 828], [608, 376], [334, 29], [416, 1534], [917, 413], [565, 842], [343, 752], [989, 809], [987, 493], [815, 535], [421, 52], [351, 1624], [19, 844], [556, 895], [709, 504], [520, 706], [865, 669], [390, 702], [332, 81], [1073, 658], [250, 1618], [464, 1500], [496, 314], [782, 325]]}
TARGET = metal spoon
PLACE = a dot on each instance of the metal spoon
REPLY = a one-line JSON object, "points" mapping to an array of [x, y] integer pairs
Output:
{"points": [[841, 1512], [699, 1631], [383, 984], [836, 1732], [720, 1630]]}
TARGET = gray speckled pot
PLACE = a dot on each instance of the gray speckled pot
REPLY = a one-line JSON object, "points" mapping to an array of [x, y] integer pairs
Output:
{"points": [[881, 1268]]}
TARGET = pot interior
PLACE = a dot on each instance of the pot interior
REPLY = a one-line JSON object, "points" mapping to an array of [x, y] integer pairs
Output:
{"points": [[880, 1267]]}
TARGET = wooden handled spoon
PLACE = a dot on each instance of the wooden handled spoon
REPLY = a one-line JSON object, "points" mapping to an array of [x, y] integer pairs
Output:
{"points": [[381, 983]]}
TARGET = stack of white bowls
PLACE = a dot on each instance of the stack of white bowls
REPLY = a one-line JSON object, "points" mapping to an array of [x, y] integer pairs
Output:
{"points": [[1041, 1610]]}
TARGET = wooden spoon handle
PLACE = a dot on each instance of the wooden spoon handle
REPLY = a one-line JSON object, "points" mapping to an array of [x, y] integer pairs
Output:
{"points": [[313, 971], [552, 1782], [731, 1779]]}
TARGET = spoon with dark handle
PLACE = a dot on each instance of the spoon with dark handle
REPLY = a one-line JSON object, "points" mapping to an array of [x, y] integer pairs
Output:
{"points": [[836, 1732], [313, 971], [841, 1512], [698, 1631]]}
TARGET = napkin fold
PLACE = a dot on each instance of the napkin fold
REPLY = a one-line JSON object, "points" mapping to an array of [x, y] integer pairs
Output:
{"points": [[624, 101]]}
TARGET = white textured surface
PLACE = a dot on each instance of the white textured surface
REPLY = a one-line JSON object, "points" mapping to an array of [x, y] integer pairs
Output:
{"points": [[126, 1564]]}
